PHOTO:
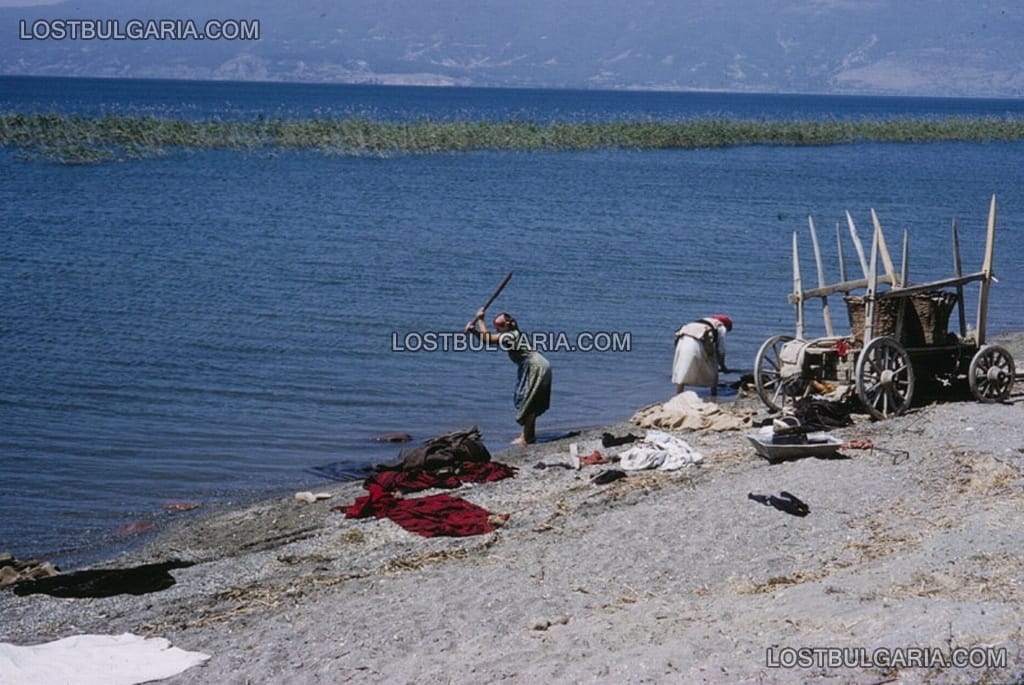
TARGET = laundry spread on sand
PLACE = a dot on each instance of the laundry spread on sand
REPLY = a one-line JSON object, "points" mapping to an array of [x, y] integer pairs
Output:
{"points": [[466, 472], [659, 450], [435, 514], [105, 582], [96, 660], [446, 461], [687, 411], [430, 516]]}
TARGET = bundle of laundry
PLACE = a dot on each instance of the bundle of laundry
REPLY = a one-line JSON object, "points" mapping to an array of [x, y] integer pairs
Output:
{"points": [[659, 450], [687, 411], [446, 461], [443, 453]]}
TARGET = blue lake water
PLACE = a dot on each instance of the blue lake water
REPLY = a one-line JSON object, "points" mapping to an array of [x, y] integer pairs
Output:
{"points": [[208, 326]]}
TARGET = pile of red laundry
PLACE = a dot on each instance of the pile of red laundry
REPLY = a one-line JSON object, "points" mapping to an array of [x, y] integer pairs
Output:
{"points": [[454, 458]]}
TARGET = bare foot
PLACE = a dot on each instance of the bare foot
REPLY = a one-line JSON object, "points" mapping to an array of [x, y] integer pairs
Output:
{"points": [[521, 441]]}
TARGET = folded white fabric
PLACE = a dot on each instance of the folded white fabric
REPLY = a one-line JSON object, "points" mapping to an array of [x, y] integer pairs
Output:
{"points": [[659, 450], [124, 659]]}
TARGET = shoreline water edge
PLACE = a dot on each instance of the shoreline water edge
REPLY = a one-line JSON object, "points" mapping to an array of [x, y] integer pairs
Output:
{"points": [[904, 565]]}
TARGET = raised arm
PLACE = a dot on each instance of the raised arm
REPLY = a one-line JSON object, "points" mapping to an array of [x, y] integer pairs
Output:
{"points": [[478, 326]]}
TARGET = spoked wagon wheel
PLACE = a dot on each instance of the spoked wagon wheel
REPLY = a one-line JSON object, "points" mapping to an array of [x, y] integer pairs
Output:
{"points": [[991, 374], [885, 378], [768, 372]]}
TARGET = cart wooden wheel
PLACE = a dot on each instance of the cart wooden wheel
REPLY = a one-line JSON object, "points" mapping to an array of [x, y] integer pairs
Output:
{"points": [[768, 372], [884, 378], [990, 374]]}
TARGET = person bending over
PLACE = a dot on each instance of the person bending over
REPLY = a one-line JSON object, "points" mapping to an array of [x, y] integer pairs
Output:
{"points": [[700, 352]]}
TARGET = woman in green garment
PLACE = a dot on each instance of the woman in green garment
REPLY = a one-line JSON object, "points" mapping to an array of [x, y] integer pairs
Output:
{"points": [[533, 378]]}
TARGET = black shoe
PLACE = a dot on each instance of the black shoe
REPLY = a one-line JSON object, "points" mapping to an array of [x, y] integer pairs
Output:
{"points": [[608, 476], [789, 503]]}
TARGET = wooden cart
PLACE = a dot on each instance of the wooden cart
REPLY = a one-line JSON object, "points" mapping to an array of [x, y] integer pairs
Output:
{"points": [[898, 334]]}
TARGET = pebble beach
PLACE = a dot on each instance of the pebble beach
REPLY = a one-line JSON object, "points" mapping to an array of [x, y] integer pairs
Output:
{"points": [[661, 576]]}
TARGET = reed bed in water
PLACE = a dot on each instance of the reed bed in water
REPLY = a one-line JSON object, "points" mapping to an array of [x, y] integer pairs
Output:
{"points": [[81, 139]]}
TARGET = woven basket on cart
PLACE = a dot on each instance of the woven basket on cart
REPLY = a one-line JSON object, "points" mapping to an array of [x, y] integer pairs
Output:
{"points": [[925, 317]]}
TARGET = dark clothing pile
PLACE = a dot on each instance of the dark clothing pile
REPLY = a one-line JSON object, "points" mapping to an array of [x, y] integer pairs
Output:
{"points": [[610, 440], [819, 415], [137, 580], [446, 461], [443, 452]]}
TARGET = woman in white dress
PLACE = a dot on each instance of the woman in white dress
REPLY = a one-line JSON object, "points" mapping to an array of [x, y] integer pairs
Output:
{"points": [[700, 352]]}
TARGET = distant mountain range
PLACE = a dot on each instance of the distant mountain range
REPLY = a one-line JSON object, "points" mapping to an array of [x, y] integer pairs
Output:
{"points": [[905, 47]]}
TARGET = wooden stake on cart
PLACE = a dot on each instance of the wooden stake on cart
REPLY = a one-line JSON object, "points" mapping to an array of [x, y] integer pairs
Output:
{"points": [[905, 304], [869, 298], [821, 279], [905, 266], [842, 262], [798, 291], [883, 251], [986, 270], [958, 272], [857, 245]]}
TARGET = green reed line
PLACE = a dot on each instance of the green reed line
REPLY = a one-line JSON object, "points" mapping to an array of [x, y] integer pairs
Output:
{"points": [[79, 139]]}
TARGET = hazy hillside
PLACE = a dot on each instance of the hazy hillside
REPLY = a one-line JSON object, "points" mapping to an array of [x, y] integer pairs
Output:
{"points": [[895, 46]]}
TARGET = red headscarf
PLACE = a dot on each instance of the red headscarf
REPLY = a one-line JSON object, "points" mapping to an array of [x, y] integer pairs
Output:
{"points": [[726, 321]]}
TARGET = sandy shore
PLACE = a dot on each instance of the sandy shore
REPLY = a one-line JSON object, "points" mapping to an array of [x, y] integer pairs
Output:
{"points": [[658, 577]]}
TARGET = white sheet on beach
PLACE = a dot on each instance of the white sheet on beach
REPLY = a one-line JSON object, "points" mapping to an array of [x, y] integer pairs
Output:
{"points": [[101, 659], [659, 450]]}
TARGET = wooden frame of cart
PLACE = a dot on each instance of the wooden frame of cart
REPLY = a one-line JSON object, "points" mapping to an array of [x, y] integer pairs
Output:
{"points": [[899, 333]]}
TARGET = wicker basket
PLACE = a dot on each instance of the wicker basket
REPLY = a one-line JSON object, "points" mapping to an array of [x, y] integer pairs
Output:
{"points": [[925, 320]]}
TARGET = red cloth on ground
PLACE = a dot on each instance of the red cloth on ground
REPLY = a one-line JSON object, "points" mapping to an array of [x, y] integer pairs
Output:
{"points": [[594, 458], [440, 515], [433, 515], [484, 472], [375, 504], [466, 472]]}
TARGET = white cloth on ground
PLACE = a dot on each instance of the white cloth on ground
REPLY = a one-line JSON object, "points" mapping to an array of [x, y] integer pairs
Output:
{"points": [[659, 450], [95, 659]]}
